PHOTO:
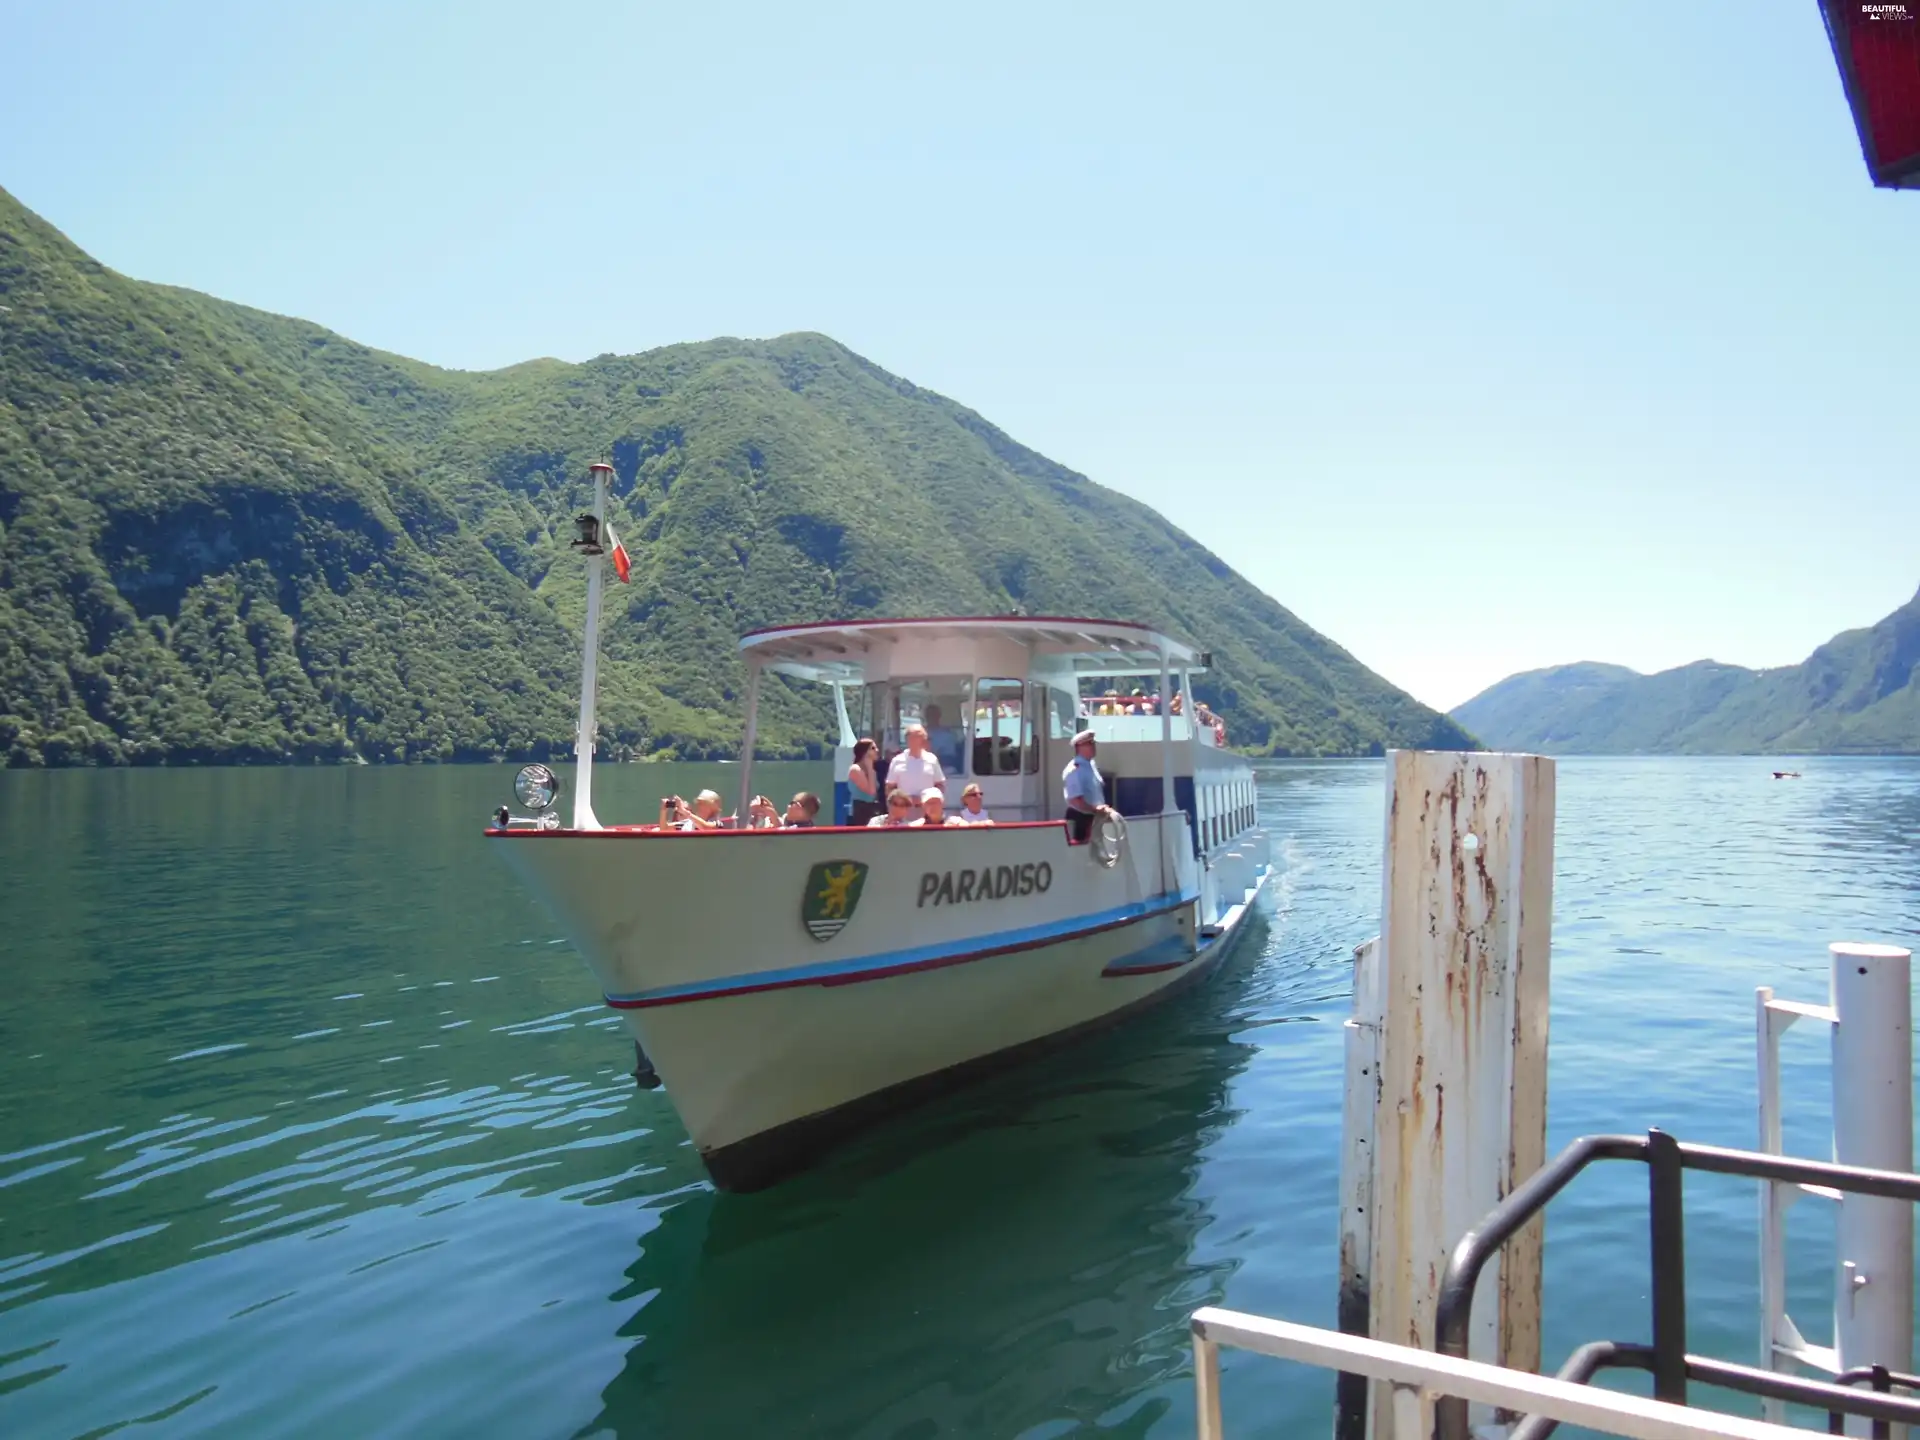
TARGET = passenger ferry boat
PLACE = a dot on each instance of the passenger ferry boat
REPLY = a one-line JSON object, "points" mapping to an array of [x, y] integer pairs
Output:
{"points": [[789, 985]]}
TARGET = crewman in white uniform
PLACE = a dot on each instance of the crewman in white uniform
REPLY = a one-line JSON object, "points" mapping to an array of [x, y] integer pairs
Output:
{"points": [[1085, 790]]}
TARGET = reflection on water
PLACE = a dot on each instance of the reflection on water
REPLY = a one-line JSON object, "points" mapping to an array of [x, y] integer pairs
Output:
{"points": [[917, 1260], [310, 1124]]}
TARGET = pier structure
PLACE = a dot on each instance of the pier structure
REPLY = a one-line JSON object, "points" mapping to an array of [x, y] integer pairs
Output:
{"points": [[1870, 1016], [1444, 1175], [1447, 1060]]}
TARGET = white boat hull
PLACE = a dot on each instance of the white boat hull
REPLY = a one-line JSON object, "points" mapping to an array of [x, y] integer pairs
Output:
{"points": [[777, 1027]]}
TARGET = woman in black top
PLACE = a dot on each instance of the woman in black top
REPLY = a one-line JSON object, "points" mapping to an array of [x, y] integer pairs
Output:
{"points": [[864, 782]]}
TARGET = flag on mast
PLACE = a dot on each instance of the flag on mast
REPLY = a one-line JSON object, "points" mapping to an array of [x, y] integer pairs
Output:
{"points": [[622, 562]]}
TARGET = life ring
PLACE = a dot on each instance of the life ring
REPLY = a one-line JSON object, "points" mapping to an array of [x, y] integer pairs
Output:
{"points": [[1109, 840]]}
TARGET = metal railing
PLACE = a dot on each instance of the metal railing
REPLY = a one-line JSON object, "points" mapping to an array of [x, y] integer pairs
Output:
{"points": [[1872, 1070], [1449, 1381], [1881, 1379], [1666, 1159], [1418, 1376]]}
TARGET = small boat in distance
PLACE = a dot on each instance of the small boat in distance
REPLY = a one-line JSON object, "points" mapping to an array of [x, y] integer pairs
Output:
{"points": [[1786, 774], [791, 985]]}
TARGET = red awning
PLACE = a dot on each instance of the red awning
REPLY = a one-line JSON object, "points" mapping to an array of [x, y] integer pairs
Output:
{"points": [[1877, 45]]}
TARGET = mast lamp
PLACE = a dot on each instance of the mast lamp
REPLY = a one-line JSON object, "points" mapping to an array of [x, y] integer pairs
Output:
{"points": [[1876, 44]]}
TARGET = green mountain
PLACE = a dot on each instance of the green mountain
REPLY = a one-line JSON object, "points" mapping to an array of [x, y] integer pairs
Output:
{"points": [[230, 536], [1859, 692]]}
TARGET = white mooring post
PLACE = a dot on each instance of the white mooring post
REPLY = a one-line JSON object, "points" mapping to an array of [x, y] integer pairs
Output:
{"points": [[1451, 1016], [1873, 1127], [1872, 1026]]}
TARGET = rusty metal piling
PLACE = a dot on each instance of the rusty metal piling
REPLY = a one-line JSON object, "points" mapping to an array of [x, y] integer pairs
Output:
{"points": [[1447, 1061]]}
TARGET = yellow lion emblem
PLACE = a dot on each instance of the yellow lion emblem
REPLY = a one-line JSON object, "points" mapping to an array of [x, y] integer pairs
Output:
{"points": [[836, 886], [831, 896]]}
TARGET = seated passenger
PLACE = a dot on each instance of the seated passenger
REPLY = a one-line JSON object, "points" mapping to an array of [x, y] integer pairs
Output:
{"points": [[1179, 703], [704, 814], [899, 812], [933, 809], [973, 810], [761, 814], [916, 769], [802, 811]]}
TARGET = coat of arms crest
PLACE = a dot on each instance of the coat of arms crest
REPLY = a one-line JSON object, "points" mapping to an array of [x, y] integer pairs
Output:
{"points": [[832, 894]]}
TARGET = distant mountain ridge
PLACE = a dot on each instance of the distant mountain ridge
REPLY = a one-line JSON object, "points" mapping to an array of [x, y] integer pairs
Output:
{"points": [[1859, 693], [228, 536]]}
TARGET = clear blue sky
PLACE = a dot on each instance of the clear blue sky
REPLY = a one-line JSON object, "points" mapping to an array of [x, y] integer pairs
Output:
{"points": [[1482, 335]]}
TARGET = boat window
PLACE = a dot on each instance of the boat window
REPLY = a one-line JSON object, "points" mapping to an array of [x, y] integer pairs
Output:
{"points": [[1063, 715], [939, 702], [859, 702], [1002, 730]]}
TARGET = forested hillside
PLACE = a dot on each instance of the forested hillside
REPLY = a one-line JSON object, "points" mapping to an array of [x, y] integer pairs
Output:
{"points": [[229, 536], [1859, 692]]}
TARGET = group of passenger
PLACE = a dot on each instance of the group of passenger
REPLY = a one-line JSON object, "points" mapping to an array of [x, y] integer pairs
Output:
{"points": [[910, 800], [912, 793], [802, 813], [1140, 703], [913, 790], [929, 808]]}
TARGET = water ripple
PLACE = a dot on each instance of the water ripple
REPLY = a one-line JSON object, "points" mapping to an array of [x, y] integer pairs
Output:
{"points": [[232, 1210]]}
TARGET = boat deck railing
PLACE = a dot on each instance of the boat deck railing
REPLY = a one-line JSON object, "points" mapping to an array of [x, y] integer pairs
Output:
{"points": [[1144, 729], [1418, 1376], [1450, 1381]]}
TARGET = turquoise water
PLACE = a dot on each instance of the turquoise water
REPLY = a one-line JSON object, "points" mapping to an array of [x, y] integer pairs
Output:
{"points": [[309, 1125]]}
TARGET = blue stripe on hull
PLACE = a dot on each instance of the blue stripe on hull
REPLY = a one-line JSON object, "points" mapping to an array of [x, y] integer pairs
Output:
{"points": [[900, 962]]}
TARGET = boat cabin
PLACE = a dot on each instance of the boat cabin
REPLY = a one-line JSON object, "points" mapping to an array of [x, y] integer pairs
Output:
{"points": [[1002, 698]]}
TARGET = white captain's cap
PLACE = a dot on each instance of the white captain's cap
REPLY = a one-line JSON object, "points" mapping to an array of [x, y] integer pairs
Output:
{"points": [[1085, 737]]}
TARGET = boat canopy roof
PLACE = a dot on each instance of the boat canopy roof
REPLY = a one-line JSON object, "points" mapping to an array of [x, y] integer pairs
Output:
{"points": [[836, 651]]}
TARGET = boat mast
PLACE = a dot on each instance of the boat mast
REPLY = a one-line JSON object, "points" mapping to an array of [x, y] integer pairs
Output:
{"points": [[747, 740], [583, 816]]}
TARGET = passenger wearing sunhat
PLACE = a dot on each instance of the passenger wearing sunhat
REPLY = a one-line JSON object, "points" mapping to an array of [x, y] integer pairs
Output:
{"points": [[1085, 790], [933, 808]]}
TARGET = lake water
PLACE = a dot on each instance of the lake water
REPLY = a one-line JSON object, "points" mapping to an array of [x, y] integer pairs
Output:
{"points": [[309, 1125]]}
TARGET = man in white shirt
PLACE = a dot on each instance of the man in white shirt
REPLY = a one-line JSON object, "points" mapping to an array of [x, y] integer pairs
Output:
{"points": [[916, 769]]}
